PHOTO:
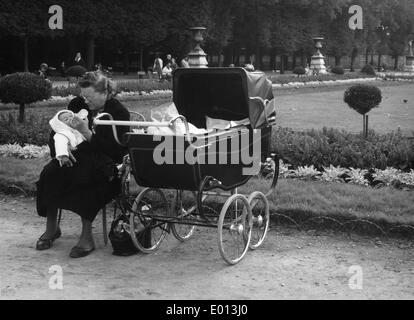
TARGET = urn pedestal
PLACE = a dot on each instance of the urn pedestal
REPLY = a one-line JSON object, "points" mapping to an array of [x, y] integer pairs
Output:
{"points": [[197, 57], [409, 60], [318, 60], [409, 64]]}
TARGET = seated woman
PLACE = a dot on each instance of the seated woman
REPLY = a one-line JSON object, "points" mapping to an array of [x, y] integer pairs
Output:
{"points": [[76, 186], [167, 71]]}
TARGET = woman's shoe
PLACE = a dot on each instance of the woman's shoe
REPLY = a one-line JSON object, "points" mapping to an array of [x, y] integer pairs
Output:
{"points": [[45, 244], [78, 252]]}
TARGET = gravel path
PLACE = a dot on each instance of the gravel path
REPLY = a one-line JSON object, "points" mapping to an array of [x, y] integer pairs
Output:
{"points": [[289, 265]]}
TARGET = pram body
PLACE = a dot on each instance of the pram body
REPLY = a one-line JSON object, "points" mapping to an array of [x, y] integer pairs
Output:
{"points": [[219, 94], [230, 94]]}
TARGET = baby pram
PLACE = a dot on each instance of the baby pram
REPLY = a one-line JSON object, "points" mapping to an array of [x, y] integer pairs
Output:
{"points": [[196, 164]]}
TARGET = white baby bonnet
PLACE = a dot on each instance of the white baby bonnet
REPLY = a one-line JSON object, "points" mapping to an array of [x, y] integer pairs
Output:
{"points": [[74, 136]]}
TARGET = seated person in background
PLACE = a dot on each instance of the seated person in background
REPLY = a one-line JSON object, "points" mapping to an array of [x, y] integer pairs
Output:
{"points": [[185, 63], [167, 71], [44, 70]]}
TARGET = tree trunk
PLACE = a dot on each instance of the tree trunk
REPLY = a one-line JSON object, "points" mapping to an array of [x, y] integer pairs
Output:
{"points": [[395, 62], [379, 62], [353, 57], [26, 53], [273, 59], [91, 53], [21, 113], [126, 61], [141, 59], [293, 60], [219, 64], [303, 59], [365, 126], [337, 60], [282, 64], [372, 58], [366, 56], [352, 63]]}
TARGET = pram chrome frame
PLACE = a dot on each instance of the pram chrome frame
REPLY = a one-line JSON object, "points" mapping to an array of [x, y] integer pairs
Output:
{"points": [[242, 222]]}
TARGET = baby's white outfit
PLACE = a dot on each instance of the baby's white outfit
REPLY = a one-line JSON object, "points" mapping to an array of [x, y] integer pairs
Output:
{"points": [[66, 137]]}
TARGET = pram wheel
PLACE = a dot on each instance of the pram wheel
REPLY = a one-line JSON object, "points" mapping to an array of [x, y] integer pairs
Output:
{"points": [[235, 229], [184, 209], [261, 217], [150, 211]]}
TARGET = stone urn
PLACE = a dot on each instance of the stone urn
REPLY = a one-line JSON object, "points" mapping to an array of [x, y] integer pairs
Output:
{"points": [[409, 60], [197, 57], [318, 60]]}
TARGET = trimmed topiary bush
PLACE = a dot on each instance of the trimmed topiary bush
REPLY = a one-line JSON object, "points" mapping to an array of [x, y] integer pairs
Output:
{"points": [[299, 71], [24, 88], [362, 98], [368, 69], [338, 70], [76, 71]]}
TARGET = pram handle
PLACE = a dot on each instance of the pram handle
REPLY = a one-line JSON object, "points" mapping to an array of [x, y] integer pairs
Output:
{"points": [[97, 122], [111, 122]]}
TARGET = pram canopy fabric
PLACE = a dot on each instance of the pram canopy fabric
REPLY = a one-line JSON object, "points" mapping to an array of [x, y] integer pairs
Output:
{"points": [[222, 93]]}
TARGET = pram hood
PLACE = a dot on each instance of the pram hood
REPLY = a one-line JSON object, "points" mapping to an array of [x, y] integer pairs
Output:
{"points": [[222, 93]]}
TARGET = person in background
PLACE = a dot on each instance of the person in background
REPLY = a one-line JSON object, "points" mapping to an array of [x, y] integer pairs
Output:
{"points": [[167, 71], [168, 59], [44, 70], [79, 61], [174, 64], [158, 66], [184, 62]]}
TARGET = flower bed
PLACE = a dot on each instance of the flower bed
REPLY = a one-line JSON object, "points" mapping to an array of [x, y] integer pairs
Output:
{"points": [[314, 83], [28, 151], [373, 177]]}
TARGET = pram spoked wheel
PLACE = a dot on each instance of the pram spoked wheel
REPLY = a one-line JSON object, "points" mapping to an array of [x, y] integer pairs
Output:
{"points": [[184, 208], [148, 229], [235, 229], [261, 217]]}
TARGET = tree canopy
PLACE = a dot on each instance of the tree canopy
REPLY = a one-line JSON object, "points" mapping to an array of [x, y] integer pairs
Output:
{"points": [[285, 26]]}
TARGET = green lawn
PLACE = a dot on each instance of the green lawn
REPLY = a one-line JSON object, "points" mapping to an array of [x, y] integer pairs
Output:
{"points": [[324, 107]]}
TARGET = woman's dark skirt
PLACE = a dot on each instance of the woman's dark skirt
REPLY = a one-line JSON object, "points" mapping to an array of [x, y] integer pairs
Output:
{"points": [[83, 189]]}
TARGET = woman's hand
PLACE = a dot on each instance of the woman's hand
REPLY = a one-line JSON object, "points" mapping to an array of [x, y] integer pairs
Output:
{"points": [[82, 126]]}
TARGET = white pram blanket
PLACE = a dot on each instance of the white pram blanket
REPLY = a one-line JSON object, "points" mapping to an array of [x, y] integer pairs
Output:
{"points": [[167, 112]]}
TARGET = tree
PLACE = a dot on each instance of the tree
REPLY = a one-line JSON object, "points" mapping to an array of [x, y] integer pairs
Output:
{"points": [[23, 88], [362, 98], [24, 19], [399, 22]]}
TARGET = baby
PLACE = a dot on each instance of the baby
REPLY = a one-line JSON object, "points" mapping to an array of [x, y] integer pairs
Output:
{"points": [[66, 138]]}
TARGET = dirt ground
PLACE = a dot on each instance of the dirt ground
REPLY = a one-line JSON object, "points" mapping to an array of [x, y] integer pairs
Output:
{"points": [[289, 265]]}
